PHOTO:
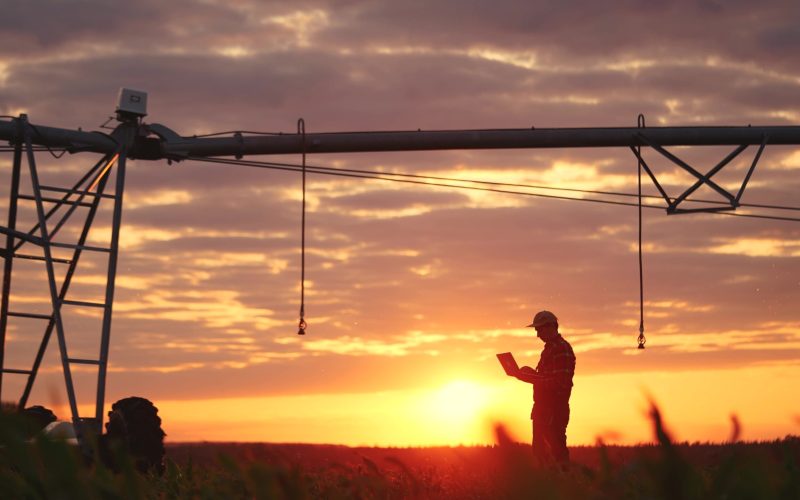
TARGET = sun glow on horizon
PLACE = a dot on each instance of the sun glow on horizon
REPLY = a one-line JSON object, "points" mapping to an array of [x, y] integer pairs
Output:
{"points": [[463, 411], [456, 409]]}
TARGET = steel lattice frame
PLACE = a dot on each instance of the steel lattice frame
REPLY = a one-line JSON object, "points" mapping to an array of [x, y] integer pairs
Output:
{"points": [[92, 186]]}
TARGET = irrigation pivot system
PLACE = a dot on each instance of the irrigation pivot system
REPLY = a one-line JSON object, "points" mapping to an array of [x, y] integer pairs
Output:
{"points": [[132, 138]]}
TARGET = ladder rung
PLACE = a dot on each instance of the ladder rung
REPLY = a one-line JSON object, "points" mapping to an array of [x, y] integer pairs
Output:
{"points": [[75, 191], [37, 257], [38, 241], [19, 234], [21, 372], [80, 247], [30, 315], [83, 303], [55, 200], [83, 361]]}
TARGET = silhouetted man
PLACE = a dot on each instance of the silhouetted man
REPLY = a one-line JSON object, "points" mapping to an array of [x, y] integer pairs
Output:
{"points": [[552, 386]]}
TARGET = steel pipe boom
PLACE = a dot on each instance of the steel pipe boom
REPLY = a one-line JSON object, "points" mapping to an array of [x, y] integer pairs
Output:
{"points": [[352, 142], [173, 146], [71, 140]]}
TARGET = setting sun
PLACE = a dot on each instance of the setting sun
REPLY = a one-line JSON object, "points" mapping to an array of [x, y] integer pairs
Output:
{"points": [[458, 407]]}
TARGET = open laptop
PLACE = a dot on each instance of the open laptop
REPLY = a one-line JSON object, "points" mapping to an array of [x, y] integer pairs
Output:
{"points": [[509, 363]]}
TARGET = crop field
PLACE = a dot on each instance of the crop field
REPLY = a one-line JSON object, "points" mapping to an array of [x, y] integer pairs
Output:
{"points": [[51, 469]]}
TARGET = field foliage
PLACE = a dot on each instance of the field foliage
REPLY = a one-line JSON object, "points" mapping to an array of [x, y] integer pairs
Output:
{"points": [[44, 468]]}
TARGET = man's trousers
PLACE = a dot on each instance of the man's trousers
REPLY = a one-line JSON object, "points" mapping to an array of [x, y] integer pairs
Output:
{"points": [[549, 422]]}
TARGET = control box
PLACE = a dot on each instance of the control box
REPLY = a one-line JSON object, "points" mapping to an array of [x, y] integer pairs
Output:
{"points": [[132, 102]]}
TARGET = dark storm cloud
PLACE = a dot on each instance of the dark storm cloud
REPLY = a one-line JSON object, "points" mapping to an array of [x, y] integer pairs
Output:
{"points": [[39, 27], [471, 20], [578, 32], [387, 91], [45, 25], [267, 92], [583, 31]]}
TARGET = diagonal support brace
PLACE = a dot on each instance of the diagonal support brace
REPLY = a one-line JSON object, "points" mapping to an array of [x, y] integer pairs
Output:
{"points": [[673, 204], [704, 179]]}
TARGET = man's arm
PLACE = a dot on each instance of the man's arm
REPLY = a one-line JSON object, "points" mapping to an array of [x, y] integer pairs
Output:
{"points": [[529, 375]]}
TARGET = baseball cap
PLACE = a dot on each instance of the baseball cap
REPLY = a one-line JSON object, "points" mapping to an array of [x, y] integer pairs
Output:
{"points": [[543, 318]]}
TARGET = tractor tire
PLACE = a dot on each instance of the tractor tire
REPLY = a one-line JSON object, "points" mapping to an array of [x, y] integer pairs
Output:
{"points": [[37, 418], [134, 425]]}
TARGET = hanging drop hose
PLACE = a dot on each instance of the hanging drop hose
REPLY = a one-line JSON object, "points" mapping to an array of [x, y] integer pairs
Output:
{"points": [[302, 325], [641, 340]]}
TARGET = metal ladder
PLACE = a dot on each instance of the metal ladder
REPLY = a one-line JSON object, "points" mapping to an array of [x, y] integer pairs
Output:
{"points": [[90, 186]]}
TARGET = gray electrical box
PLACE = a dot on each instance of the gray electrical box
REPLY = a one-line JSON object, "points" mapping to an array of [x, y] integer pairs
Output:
{"points": [[132, 102]]}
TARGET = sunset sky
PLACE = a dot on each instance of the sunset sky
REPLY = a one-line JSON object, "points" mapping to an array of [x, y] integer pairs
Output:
{"points": [[411, 290]]}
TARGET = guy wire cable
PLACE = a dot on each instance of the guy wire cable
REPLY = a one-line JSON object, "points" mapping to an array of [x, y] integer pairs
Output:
{"points": [[334, 171], [382, 176], [319, 169]]}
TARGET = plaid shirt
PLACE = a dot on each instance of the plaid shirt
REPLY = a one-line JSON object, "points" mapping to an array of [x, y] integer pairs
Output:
{"points": [[556, 367]]}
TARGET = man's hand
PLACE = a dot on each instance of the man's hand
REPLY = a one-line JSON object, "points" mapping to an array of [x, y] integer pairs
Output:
{"points": [[527, 374]]}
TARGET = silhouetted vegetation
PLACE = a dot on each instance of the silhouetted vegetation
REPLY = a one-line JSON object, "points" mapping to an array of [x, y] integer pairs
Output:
{"points": [[45, 468]]}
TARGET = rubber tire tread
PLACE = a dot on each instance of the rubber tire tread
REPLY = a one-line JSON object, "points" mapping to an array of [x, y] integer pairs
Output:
{"points": [[134, 421]]}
